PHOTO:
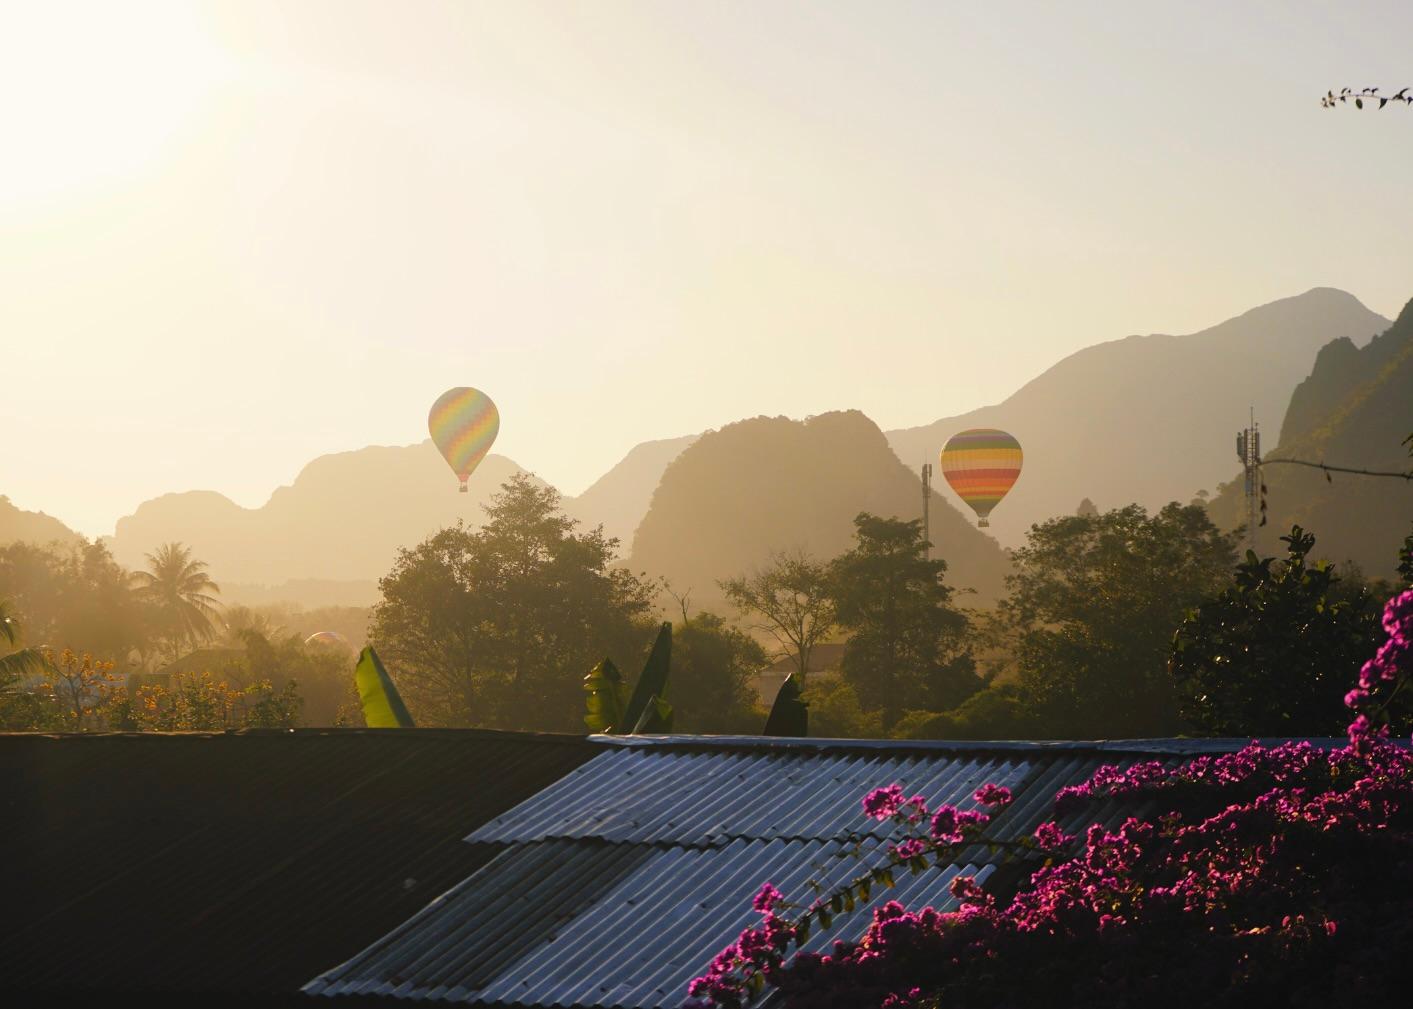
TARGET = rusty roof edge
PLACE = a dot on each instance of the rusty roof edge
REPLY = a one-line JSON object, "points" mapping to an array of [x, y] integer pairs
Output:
{"points": [[1157, 747]]}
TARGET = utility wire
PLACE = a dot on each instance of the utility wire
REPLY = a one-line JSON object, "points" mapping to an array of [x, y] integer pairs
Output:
{"points": [[1337, 469]]}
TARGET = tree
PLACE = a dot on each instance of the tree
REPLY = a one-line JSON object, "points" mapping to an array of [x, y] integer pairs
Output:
{"points": [[793, 596], [80, 685], [1094, 602], [997, 712], [22, 661], [836, 713], [321, 674], [907, 645], [1273, 653], [75, 597], [183, 594], [712, 666], [496, 627]]}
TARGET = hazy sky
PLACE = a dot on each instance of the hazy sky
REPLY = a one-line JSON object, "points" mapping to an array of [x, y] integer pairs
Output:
{"points": [[237, 236]]}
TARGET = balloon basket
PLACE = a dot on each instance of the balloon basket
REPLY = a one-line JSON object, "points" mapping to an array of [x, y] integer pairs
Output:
{"points": [[463, 488], [980, 525]]}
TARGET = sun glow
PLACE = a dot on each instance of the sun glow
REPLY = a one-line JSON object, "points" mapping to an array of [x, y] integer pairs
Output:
{"points": [[94, 92]]}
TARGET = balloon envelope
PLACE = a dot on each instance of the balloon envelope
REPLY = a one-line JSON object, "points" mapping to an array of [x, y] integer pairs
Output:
{"points": [[327, 638], [464, 423], [981, 465]]}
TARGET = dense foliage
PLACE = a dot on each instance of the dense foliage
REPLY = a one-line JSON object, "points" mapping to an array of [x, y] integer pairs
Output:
{"points": [[712, 667], [792, 600], [78, 598], [93, 647], [1273, 653], [907, 643], [75, 692], [1269, 876], [497, 626], [1094, 601]]}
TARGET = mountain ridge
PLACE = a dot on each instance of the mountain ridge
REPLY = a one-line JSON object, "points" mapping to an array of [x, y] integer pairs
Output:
{"points": [[1354, 409], [1114, 421], [767, 484]]}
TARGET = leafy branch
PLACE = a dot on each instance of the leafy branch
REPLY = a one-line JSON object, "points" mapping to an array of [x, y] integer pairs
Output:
{"points": [[1345, 95], [846, 897]]}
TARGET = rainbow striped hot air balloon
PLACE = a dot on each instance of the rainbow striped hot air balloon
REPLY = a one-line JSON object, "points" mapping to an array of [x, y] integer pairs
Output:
{"points": [[464, 423], [981, 464]]}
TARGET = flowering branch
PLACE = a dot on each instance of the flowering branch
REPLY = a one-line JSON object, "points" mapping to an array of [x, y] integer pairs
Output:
{"points": [[1384, 676], [1274, 875]]}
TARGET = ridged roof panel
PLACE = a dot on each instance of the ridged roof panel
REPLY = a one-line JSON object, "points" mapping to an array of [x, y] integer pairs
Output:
{"points": [[664, 795], [576, 923], [618, 883]]}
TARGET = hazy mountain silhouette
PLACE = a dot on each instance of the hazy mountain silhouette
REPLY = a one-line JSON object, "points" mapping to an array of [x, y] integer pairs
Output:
{"points": [[329, 536], [1149, 418], [1354, 410], [619, 499], [341, 520], [771, 483], [18, 525]]}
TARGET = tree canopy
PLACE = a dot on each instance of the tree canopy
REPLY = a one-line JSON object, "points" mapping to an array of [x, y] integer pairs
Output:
{"points": [[1273, 653], [1094, 601], [497, 626], [907, 644]]}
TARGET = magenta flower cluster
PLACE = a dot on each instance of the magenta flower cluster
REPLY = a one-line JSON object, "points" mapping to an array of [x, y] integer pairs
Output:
{"points": [[1383, 676], [947, 824], [1270, 876], [1262, 873]]}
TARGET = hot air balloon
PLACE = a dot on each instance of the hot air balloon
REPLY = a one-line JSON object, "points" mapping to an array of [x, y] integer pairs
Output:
{"points": [[464, 423], [333, 638], [981, 464]]}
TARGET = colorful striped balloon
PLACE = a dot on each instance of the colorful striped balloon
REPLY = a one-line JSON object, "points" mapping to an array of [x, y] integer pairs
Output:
{"points": [[981, 464], [464, 423]]}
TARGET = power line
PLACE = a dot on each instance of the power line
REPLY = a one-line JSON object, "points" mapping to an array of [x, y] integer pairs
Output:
{"points": [[1337, 469]]}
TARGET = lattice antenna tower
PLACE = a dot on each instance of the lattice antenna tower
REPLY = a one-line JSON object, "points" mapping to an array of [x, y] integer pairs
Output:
{"points": [[926, 512], [1248, 450]]}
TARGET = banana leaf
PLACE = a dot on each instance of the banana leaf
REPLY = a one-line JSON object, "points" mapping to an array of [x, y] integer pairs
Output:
{"points": [[656, 720], [382, 705], [653, 681], [789, 715], [607, 700]]}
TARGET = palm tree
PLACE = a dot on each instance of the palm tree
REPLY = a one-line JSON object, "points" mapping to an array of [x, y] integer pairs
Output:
{"points": [[19, 663], [179, 588]]}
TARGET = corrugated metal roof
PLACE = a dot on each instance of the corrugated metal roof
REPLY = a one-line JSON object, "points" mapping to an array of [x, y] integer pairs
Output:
{"points": [[239, 862], [618, 883], [662, 795], [575, 923]]}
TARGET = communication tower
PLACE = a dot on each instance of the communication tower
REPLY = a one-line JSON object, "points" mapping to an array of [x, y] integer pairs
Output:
{"points": [[1248, 450], [926, 515]]}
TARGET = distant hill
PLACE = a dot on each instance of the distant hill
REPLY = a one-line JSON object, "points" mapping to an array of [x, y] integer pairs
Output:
{"points": [[1353, 410], [328, 537], [1149, 418], [18, 525], [619, 499], [772, 483], [341, 520]]}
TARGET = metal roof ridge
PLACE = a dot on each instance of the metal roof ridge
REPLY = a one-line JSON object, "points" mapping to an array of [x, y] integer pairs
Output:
{"points": [[314, 732], [1157, 747]]}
